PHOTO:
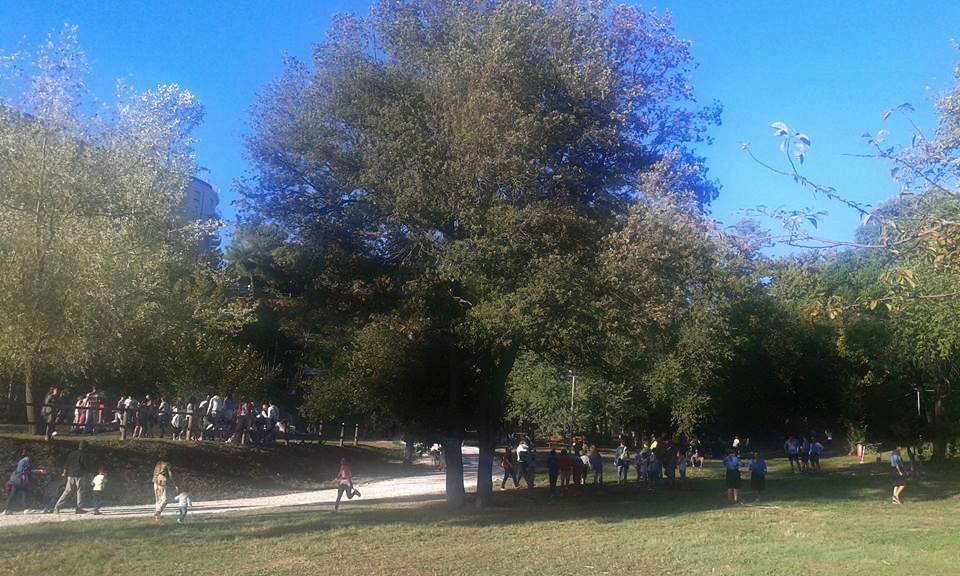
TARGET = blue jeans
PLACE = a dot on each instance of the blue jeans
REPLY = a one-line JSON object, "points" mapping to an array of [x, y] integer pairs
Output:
{"points": [[182, 514]]}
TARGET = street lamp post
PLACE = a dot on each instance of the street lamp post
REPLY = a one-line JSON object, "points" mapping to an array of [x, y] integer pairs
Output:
{"points": [[573, 388]]}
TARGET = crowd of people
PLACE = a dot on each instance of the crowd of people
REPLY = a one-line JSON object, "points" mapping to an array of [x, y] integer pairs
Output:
{"points": [[656, 462], [80, 483], [191, 418]]}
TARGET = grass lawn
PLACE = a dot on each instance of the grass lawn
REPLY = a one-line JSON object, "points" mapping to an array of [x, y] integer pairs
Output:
{"points": [[837, 523]]}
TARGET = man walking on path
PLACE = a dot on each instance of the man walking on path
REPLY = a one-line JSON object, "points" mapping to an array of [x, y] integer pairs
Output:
{"points": [[76, 468]]}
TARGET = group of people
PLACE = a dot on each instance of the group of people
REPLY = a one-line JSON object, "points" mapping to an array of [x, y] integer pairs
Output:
{"points": [[655, 461], [803, 453], [180, 419], [78, 484], [82, 483]]}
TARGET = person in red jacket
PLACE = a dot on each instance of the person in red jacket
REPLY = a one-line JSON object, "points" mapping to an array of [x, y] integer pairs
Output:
{"points": [[345, 484]]}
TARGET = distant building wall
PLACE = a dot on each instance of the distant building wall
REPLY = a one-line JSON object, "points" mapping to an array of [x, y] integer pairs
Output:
{"points": [[201, 201]]}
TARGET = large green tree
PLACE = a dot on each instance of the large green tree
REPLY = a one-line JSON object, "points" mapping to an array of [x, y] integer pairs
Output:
{"points": [[468, 165]]}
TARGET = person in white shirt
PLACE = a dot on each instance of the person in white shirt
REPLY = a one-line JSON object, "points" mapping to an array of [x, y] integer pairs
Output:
{"points": [[99, 485], [213, 410], [183, 503]]}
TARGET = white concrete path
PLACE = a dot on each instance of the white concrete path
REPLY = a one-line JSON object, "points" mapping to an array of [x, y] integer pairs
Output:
{"points": [[430, 483]]}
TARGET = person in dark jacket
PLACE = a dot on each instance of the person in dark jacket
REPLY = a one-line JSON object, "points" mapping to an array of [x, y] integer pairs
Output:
{"points": [[77, 467], [553, 471]]}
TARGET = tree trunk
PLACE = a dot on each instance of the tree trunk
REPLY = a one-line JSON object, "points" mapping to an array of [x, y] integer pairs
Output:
{"points": [[407, 448], [453, 440], [453, 461], [32, 423], [488, 446]]}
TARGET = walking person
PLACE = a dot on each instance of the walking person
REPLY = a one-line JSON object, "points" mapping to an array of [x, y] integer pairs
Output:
{"points": [[509, 470], [184, 501], [19, 483], [76, 468], [345, 484], [816, 450], [162, 477], [579, 469], [566, 467], [596, 464], [622, 461], [643, 458], [99, 485], [792, 448], [758, 475], [50, 412], [732, 465], [523, 461], [898, 468], [553, 471]]}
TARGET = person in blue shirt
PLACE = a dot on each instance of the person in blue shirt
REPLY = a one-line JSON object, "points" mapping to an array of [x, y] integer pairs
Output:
{"points": [[758, 475], [899, 472], [732, 464], [816, 449], [804, 455], [792, 448], [19, 484]]}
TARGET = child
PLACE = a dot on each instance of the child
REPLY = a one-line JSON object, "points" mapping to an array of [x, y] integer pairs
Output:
{"points": [[99, 485], [758, 475], [345, 484], [183, 502], [816, 449], [732, 465]]}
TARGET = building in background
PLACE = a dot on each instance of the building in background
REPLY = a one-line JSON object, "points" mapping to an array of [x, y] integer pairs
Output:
{"points": [[201, 201]]}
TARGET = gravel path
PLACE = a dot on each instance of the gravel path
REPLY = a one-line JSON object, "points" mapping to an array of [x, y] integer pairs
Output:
{"points": [[427, 484]]}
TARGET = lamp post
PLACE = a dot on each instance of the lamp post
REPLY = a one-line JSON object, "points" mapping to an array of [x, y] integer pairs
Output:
{"points": [[573, 389]]}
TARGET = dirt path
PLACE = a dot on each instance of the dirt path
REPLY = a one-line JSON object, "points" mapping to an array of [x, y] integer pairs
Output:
{"points": [[427, 484]]}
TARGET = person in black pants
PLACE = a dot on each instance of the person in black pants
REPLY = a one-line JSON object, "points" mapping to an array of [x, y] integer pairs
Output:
{"points": [[509, 470], [553, 471]]}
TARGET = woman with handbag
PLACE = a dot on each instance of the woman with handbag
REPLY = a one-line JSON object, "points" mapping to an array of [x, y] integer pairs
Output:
{"points": [[162, 477]]}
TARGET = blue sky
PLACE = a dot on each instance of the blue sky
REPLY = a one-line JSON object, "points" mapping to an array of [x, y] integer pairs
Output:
{"points": [[827, 68]]}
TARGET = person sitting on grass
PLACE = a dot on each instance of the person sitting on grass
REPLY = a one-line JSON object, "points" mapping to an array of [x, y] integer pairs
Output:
{"points": [[184, 501], [898, 468], [345, 484], [758, 475], [732, 465]]}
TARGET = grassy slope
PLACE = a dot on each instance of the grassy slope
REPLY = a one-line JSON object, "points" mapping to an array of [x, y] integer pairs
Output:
{"points": [[839, 523], [213, 470]]}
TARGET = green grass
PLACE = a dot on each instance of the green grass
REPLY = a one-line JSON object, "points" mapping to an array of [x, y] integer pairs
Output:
{"points": [[837, 523]]}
